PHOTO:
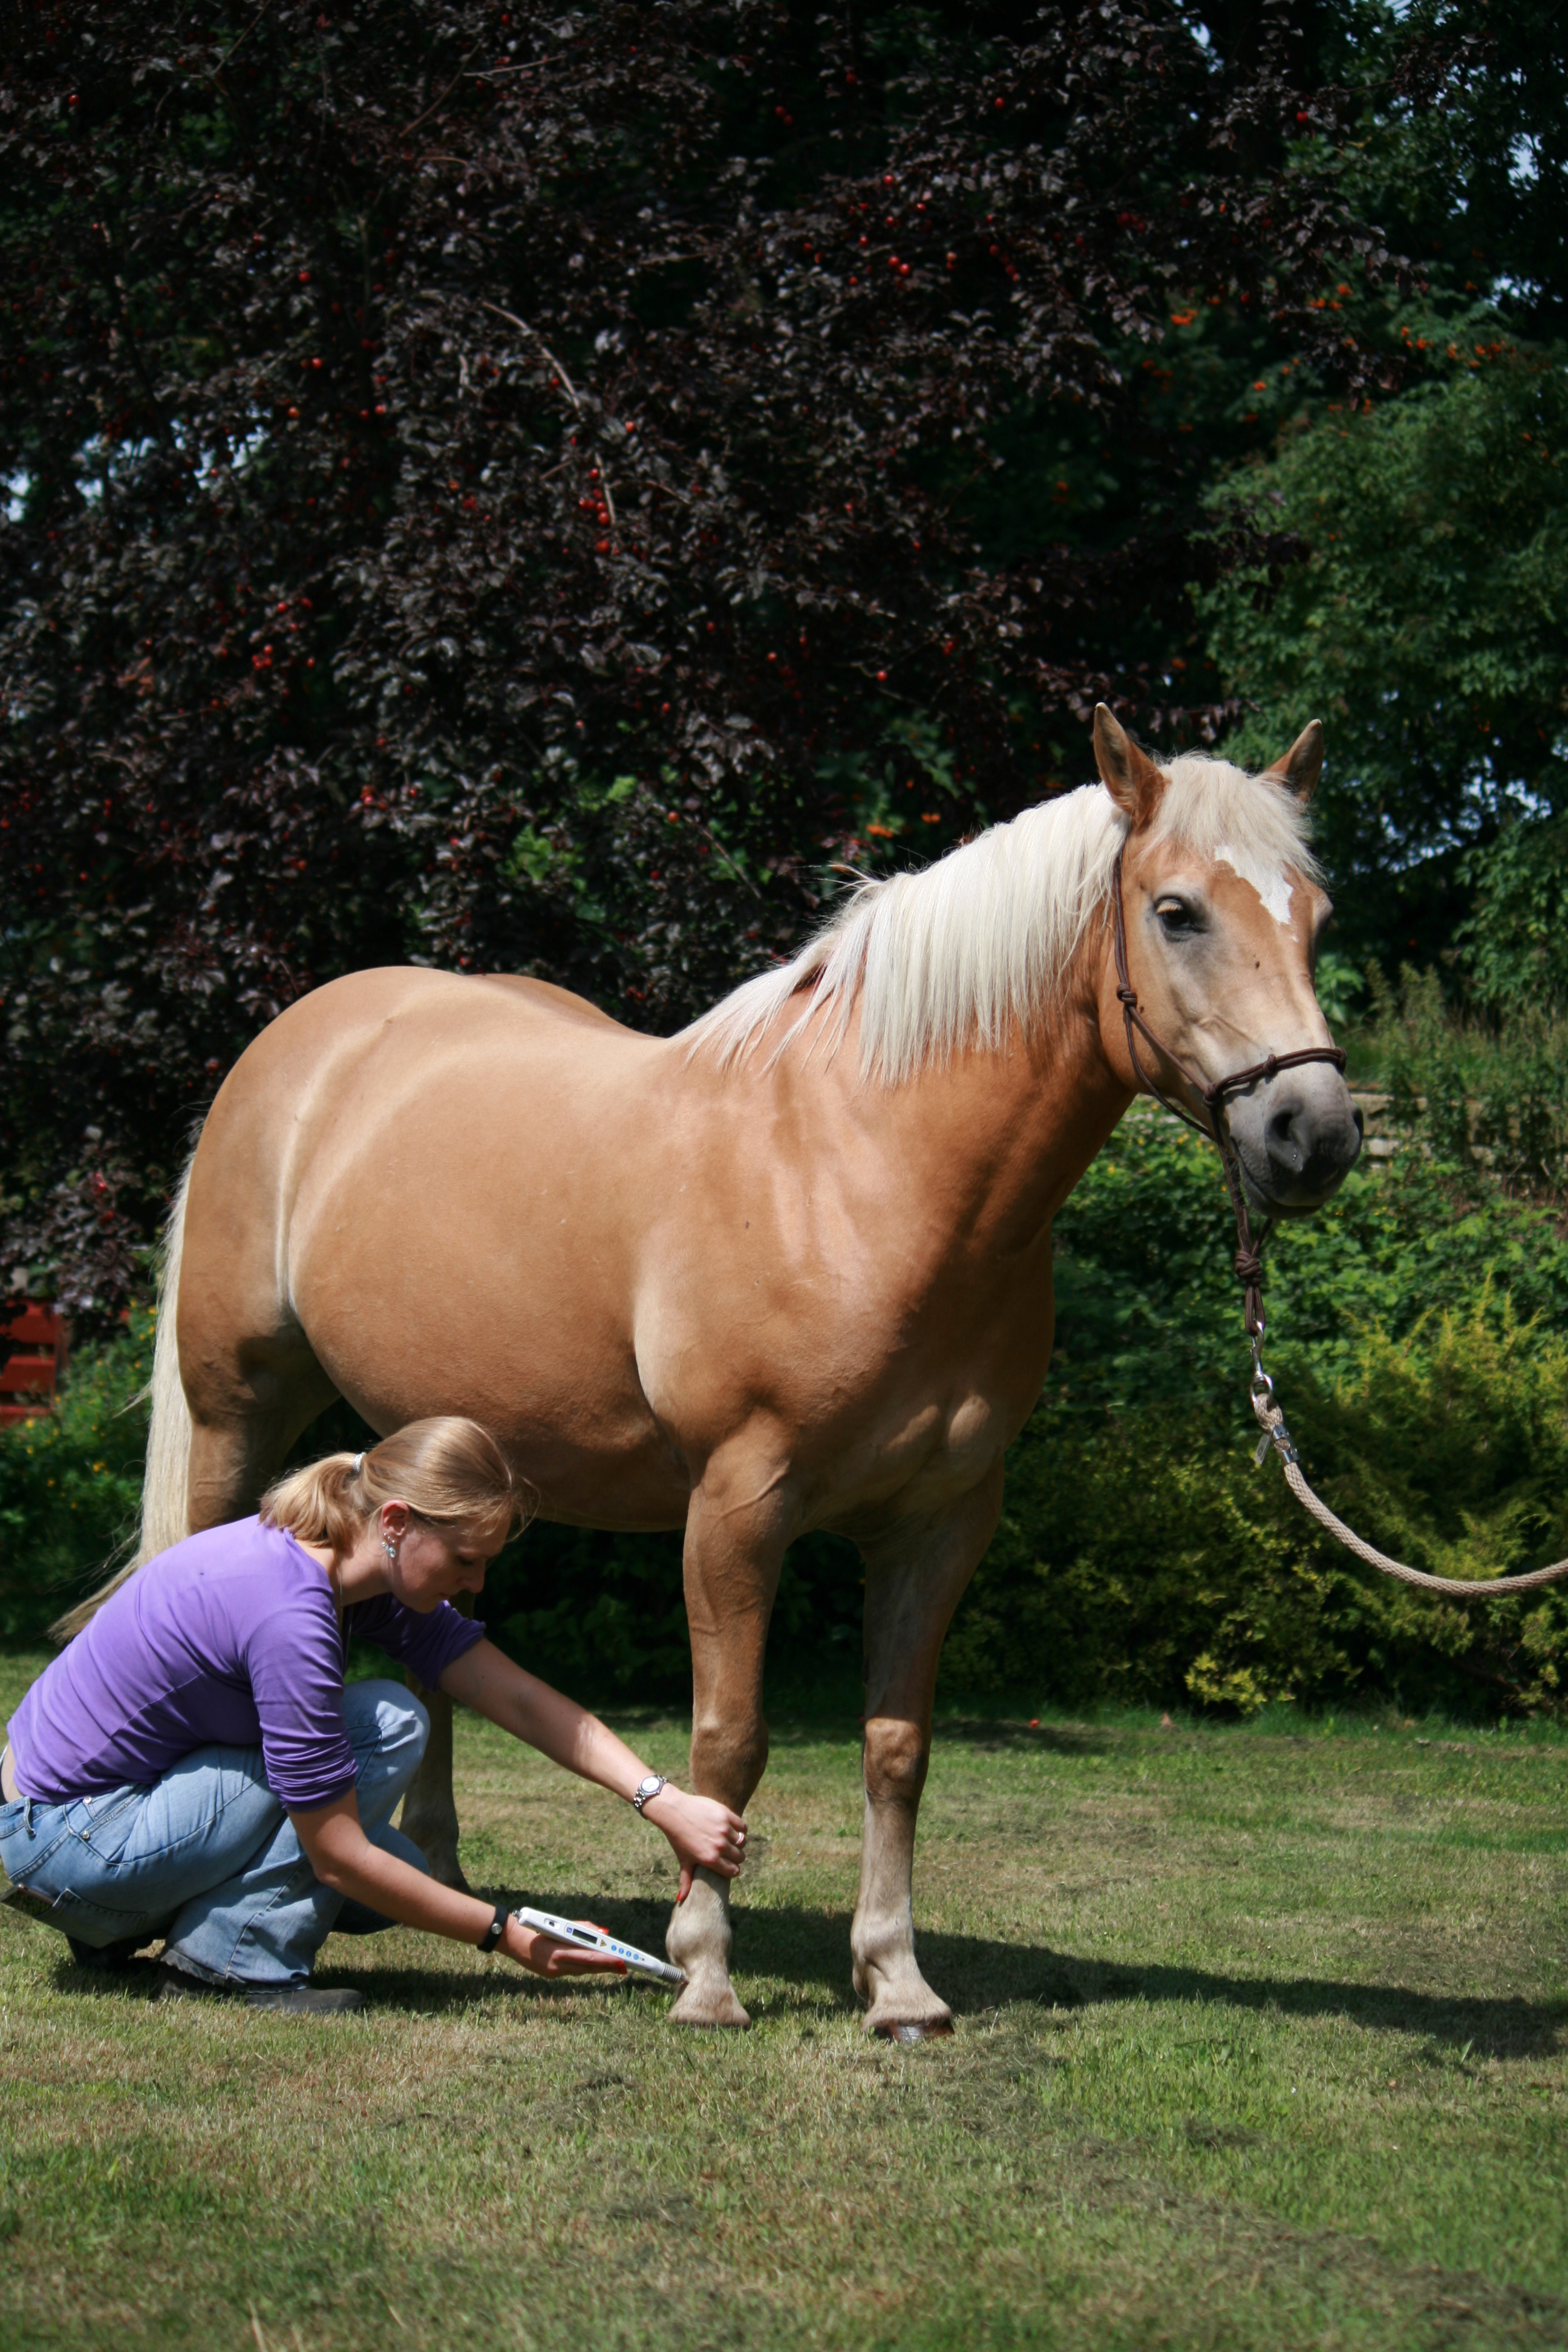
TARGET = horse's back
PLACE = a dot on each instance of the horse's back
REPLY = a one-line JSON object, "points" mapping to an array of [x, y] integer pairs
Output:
{"points": [[399, 1028], [559, 1003], [333, 1019]]}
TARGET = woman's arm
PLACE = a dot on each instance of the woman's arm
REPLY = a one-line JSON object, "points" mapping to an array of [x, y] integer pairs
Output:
{"points": [[343, 1858], [705, 1834]]}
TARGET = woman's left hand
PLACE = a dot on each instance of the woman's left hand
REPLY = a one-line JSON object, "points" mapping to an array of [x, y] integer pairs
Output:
{"points": [[706, 1835]]}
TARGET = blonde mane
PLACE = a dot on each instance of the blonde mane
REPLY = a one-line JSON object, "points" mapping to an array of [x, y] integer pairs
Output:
{"points": [[952, 957]]}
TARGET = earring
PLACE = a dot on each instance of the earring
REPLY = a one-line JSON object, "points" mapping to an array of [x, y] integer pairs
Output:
{"points": [[390, 1549]]}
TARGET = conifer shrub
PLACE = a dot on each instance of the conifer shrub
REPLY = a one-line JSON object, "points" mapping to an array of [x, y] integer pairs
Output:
{"points": [[1144, 1556]]}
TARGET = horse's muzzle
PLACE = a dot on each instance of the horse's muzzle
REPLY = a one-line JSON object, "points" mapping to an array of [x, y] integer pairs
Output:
{"points": [[1296, 1136]]}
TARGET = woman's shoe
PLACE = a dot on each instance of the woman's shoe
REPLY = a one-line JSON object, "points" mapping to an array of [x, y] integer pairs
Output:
{"points": [[293, 2000], [108, 1959]]}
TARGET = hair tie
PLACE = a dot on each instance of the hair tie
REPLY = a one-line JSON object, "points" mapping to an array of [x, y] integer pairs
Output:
{"points": [[358, 1464]]}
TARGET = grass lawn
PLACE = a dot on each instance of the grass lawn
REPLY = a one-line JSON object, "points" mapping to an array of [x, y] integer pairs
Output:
{"points": [[1260, 2041]]}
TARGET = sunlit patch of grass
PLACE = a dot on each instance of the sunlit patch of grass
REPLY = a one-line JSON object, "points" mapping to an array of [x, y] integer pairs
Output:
{"points": [[1260, 2040]]}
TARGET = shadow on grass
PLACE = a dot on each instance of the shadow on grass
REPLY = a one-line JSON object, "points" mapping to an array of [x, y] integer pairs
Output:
{"points": [[800, 1725], [986, 1732], [809, 1950]]}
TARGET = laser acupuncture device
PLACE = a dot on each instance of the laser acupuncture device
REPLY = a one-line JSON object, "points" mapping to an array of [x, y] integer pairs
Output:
{"points": [[577, 1933]]}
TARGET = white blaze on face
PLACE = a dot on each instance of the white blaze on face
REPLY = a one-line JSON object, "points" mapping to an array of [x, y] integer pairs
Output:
{"points": [[1270, 887]]}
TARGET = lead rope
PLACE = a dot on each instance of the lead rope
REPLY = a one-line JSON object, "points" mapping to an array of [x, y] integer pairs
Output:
{"points": [[1248, 1267], [1271, 1420]]}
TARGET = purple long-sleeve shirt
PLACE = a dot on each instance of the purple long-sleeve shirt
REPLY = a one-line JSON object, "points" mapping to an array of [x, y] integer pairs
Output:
{"points": [[229, 1640]]}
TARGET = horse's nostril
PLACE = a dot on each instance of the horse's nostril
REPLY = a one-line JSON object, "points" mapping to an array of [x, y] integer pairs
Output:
{"points": [[1284, 1143]]}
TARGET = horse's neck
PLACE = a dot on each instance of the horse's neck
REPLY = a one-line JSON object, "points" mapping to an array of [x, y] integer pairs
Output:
{"points": [[1052, 1102], [1005, 1133]]}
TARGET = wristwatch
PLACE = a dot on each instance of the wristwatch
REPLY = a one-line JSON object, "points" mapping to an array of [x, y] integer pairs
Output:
{"points": [[647, 1790], [495, 1931]]}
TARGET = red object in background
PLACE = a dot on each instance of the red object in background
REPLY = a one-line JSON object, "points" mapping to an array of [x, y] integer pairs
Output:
{"points": [[35, 1345]]}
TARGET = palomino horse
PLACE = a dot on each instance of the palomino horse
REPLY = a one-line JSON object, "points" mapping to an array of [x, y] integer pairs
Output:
{"points": [[790, 1270]]}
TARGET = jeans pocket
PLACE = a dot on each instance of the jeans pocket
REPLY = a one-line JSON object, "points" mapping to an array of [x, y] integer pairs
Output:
{"points": [[31, 1839], [97, 1923], [104, 1824]]}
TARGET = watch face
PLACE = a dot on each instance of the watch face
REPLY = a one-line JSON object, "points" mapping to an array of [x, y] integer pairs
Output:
{"points": [[650, 1786]]}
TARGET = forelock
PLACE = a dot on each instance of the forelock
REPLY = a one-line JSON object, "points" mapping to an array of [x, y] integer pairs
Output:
{"points": [[1210, 807]]}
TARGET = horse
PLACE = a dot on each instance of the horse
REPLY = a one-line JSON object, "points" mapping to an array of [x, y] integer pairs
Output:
{"points": [[788, 1270]]}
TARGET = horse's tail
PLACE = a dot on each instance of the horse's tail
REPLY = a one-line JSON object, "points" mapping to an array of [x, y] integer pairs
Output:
{"points": [[163, 1519]]}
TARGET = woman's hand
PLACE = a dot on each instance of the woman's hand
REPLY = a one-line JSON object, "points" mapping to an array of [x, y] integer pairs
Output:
{"points": [[546, 1955], [705, 1834]]}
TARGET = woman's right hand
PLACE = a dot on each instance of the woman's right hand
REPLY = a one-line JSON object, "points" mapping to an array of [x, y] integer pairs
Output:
{"points": [[706, 1835], [546, 1955]]}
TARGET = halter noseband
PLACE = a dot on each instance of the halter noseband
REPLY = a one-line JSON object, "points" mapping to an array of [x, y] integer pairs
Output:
{"points": [[1248, 1254]]}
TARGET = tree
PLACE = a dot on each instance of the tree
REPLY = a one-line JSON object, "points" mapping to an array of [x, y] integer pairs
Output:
{"points": [[1425, 628], [1427, 619], [512, 488]]}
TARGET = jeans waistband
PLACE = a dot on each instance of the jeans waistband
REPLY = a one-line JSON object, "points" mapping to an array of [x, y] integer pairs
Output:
{"points": [[26, 1802]]}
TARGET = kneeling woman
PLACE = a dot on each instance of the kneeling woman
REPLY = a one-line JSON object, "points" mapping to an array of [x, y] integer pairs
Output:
{"points": [[192, 1766]]}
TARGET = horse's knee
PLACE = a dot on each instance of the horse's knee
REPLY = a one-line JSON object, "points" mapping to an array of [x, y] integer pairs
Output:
{"points": [[728, 1757], [896, 1757]]}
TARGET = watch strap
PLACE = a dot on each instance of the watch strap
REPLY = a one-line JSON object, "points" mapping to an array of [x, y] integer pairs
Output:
{"points": [[495, 1929]]}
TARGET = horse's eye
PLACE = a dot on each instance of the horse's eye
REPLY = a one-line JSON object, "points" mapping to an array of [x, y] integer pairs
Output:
{"points": [[1177, 919]]}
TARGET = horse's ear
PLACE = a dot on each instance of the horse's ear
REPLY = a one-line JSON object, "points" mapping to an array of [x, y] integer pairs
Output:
{"points": [[1299, 767], [1128, 776]]}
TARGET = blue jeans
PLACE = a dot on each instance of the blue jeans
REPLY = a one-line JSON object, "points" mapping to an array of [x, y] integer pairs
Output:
{"points": [[208, 1859]]}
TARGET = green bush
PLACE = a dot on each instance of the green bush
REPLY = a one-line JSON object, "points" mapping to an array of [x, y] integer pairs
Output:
{"points": [[1461, 1087], [1144, 1556], [70, 1482], [1425, 629]]}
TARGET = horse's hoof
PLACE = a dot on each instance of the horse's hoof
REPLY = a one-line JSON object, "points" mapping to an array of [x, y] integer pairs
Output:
{"points": [[928, 2031], [712, 2006]]}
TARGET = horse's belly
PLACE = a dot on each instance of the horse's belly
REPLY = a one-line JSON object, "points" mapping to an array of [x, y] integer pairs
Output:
{"points": [[559, 1394]]}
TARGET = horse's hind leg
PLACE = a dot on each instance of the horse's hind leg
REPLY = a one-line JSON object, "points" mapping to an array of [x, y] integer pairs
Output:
{"points": [[244, 1416], [914, 1580], [734, 1550], [250, 1399], [430, 1809]]}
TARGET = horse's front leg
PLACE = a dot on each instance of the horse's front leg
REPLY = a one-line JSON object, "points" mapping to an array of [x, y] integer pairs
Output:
{"points": [[915, 1578], [736, 1531]]}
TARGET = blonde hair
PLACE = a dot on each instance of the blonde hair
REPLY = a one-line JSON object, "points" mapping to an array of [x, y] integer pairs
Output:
{"points": [[449, 1471]]}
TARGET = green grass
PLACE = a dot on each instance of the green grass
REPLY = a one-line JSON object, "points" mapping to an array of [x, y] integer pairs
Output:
{"points": [[1260, 2042]]}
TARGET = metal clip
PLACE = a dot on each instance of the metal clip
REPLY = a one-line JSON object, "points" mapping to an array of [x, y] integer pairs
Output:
{"points": [[1278, 1436]]}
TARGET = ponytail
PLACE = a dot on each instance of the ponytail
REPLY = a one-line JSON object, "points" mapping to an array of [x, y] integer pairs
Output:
{"points": [[449, 1471]]}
